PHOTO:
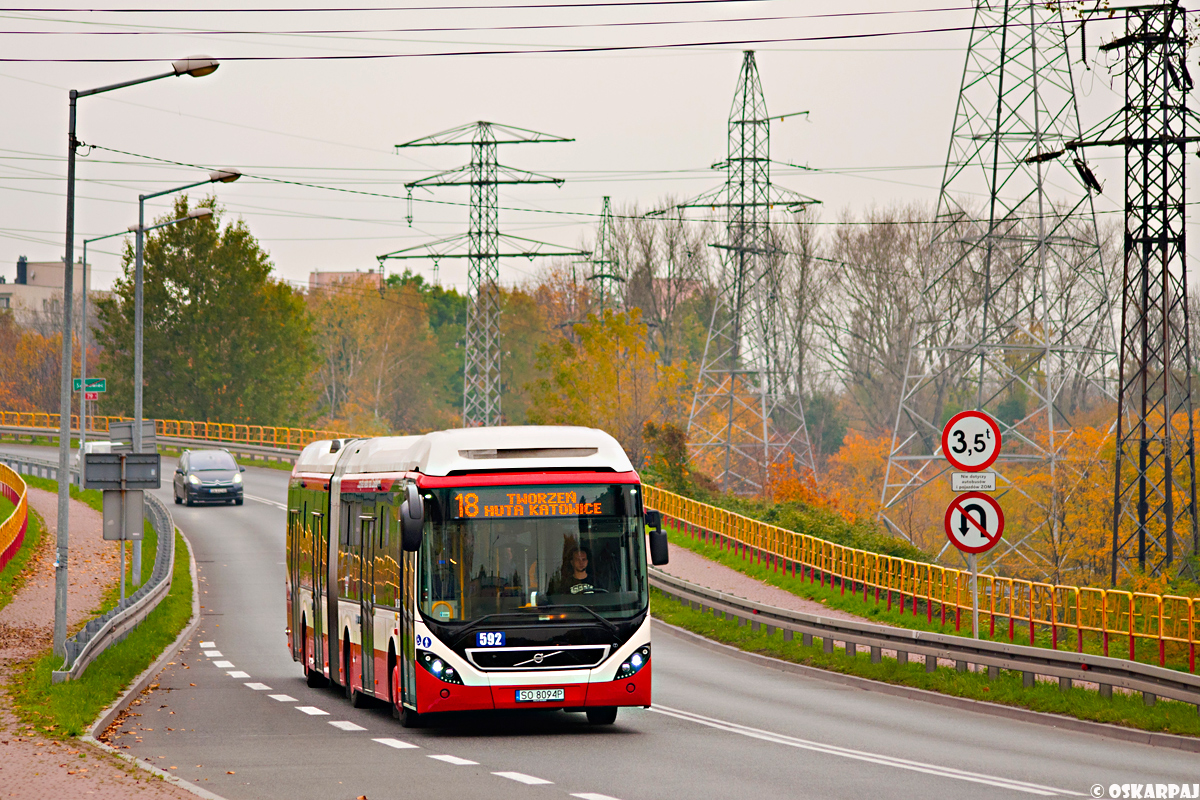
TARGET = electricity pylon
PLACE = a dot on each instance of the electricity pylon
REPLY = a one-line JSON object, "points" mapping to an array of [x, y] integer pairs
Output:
{"points": [[485, 246], [1014, 318], [605, 278], [747, 412], [1154, 519]]}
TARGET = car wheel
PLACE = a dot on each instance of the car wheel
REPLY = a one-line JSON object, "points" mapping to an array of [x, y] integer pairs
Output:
{"points": [[190, 501], [239, 501], [177, 500]]}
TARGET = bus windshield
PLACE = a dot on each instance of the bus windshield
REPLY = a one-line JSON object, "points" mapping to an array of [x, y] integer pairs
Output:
{"points": [[524, 549]]}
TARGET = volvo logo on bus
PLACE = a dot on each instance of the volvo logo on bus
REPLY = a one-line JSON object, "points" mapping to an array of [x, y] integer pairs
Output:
{"points": [[537, 659]]}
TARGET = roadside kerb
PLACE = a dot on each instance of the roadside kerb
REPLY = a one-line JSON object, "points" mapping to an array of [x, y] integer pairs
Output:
{"points": [[1150, 680], [111, 627]]}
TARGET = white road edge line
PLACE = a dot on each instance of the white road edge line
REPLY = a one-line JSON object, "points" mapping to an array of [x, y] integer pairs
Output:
{"points": [[213, 653], [396, 743], [223, 664], [455, 760], [259, 687], [203, 645], [265, 501], [521, 777], [860, 755], [238, 674], [283, 698], [593, 796]]}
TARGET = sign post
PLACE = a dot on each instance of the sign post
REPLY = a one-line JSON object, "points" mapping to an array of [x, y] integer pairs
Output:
{"points": [[974, 524]]}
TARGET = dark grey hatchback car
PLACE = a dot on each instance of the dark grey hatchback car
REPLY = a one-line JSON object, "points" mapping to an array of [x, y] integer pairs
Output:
{"points": [[208, 476]]}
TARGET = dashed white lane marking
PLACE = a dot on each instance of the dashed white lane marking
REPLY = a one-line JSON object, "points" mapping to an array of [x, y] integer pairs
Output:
{"points": [[312, 711], [396, 743], [207, 644], [458, 762], [259, 687], [223, 664], [593, 796], [265, 500], [213, 653], [346, 725], [521, 777], [283, 698], [238, 674], [860, 755]]}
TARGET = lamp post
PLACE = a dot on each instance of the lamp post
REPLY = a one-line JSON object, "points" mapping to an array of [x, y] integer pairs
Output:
{"points": [[217, 176], [197, 67]]}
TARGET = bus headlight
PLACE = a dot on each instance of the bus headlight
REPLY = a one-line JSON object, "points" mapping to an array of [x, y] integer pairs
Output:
{"points": [[633, 664], [438, 668]]}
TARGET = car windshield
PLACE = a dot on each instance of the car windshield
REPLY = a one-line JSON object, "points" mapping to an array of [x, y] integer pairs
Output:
{"points": [[524, 549], [211, 459]]}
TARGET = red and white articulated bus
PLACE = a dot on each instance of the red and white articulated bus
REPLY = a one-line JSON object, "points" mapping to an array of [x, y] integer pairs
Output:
{"points": [[482, 568]]}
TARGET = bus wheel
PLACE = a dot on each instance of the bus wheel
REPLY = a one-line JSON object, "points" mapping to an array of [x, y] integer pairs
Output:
{"points": [[410, 719], [394, 689], [602, 716]]}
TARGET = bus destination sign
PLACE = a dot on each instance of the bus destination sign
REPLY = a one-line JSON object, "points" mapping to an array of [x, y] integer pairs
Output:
{"points": [[520, 501]]}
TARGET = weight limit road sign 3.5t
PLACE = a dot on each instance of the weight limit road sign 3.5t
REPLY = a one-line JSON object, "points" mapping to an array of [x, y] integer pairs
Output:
{"points": [[971, 441]]}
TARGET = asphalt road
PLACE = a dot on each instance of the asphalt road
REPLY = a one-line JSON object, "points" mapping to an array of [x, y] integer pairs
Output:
{"points": [[234, 715]]}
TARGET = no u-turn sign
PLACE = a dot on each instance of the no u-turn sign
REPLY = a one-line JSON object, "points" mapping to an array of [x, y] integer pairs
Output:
{"points": [[974, 522]]}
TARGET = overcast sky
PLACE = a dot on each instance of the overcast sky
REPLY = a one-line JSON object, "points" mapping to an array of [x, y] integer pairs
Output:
{"points": [[646, 123]]}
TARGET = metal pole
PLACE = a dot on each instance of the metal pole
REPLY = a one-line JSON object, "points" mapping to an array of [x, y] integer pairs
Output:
{"points": [[122, 545], [973, 560], [83, 366], [62, 537], [136, 572]]}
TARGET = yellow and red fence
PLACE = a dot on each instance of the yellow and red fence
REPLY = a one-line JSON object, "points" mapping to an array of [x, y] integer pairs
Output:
{"points": [[266, 435], [1122, 624], [12, 530]]}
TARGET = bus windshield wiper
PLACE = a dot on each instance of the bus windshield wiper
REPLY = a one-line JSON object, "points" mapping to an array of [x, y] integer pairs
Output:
{"points": [[607, 623]]}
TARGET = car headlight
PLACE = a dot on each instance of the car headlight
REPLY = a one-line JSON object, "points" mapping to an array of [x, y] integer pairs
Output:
{"points": [[193, 480], [633, 664], [438, 668], [237, 478]]}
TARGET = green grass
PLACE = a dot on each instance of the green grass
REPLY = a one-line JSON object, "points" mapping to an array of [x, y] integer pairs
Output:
{"points": [[7, 507], [67, 709], [832, 596], [13, 576], [1128, 710]]}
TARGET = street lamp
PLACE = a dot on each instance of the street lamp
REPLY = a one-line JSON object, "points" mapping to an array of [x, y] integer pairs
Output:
{"points": [[197, 67], [139, 230]]}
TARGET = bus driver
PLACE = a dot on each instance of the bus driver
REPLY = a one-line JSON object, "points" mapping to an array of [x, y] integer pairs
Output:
{"points": [[577, 576]]}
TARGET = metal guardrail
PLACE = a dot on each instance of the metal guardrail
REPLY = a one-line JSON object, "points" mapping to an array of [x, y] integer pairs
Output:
{"points": [[111, 627], [1107, 672], [266, 452]]}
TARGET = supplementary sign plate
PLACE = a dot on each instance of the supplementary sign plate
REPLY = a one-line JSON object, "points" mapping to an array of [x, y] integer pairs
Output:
{"points": [[974, 522], [971, 441], [973, 481]]}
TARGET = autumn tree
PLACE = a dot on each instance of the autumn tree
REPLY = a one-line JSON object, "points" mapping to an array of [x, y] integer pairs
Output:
{"points": [[30, 367], [224, 339], [608, 377]]}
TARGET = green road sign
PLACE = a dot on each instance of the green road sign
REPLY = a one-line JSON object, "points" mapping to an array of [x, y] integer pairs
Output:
{"points": [[93, 384]]}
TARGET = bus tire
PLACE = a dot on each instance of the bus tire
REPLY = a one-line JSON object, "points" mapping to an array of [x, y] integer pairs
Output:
{"points": [[410, 719], [394, 685], [605, 715], [347, 681]]}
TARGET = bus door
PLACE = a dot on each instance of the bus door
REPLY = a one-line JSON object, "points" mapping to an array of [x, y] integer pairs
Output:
{"points": [[295, 552], [320, 547], [366, 594], [407, 603]]}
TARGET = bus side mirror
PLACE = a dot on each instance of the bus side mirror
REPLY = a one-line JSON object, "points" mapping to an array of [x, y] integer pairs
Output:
{"points": [[412, 520], [658, 539]]}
